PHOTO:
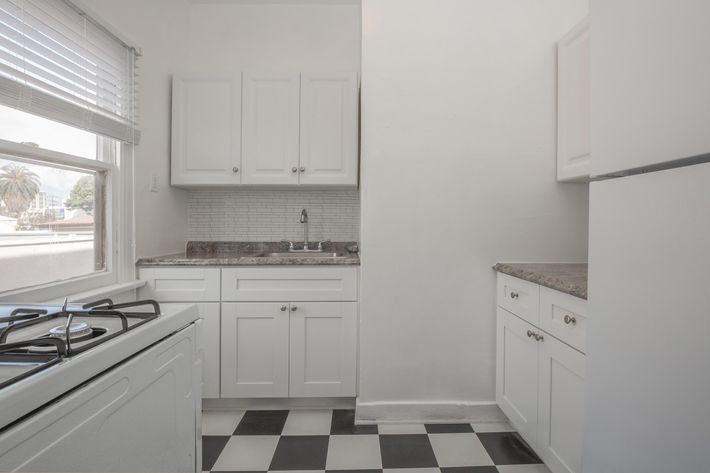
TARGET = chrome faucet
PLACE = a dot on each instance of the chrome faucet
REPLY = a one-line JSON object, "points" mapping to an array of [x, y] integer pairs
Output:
{"points": [[304, 221]]}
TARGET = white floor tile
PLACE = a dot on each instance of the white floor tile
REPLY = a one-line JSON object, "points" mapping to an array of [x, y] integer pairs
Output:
{"points": [[540, 468], [401, 429], [492, 427], [411, 470], [459, 450], [247, 452], [308, 422], [220, 422], [354, 452]]}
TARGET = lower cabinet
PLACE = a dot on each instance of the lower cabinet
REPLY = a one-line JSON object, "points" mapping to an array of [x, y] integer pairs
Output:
{"points": [[282, 349], [540, 387]]}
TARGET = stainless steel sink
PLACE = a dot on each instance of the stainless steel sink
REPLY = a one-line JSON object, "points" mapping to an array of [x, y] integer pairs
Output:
{"points": [[295, 254]]}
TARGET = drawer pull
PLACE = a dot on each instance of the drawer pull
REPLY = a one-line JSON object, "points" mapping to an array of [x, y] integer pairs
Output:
{"points": [[570, 320], [514, 295], [283, 308]]}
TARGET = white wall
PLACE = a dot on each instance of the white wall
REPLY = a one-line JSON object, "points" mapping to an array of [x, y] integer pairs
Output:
{"points": [[158, 28], [458, 172]]}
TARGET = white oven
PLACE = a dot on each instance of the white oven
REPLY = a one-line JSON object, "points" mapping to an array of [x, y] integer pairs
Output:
{"points": [[141, 414]]}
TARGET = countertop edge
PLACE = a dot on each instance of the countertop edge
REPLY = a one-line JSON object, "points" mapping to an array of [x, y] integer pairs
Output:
{"points": [[555, 283]]}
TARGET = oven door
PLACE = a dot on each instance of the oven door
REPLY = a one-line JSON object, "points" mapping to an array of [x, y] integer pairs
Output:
{"points": [[140, 416]]}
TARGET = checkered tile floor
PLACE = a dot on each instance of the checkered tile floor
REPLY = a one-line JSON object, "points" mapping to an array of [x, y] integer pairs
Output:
{"points": [[328, 441]]}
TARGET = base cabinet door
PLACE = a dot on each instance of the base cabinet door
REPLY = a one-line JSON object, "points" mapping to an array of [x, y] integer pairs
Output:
{"points": [[561, 411], [255, 349], [209, 348], [517, 373], [323, 345]]}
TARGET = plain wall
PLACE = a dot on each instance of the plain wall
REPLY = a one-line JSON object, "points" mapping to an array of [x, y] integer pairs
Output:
{"points": [[458, 172], [157, 27]]}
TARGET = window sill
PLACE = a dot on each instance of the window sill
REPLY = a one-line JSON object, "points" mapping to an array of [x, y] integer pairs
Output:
{"points": [[104, 291]]}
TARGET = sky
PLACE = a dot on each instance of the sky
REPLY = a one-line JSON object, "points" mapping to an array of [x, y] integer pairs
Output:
{"points": [[21, 127]]}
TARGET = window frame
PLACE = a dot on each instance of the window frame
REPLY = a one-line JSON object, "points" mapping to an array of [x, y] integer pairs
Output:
{"points": [[119, 206]]}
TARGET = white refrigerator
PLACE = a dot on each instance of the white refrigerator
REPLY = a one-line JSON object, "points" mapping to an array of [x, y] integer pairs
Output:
{"points": [[647, 394]]}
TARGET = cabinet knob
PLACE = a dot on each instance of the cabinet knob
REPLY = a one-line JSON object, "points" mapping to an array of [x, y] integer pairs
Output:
{"points": [[539, 337], [514, 295], [283, 308], [294, 308], [570, 320], [530, 333], [294, 169], [235, 169], [303, 169]]}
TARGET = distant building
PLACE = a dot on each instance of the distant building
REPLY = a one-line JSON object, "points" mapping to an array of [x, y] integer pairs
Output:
{"points": [[43, 201]]}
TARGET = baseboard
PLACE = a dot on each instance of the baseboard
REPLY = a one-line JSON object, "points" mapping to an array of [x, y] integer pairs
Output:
{"points": [[280, 403], [427, 412]]}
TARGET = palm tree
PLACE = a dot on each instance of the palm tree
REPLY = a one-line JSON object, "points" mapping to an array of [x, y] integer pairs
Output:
{"points": [[18, 186]]}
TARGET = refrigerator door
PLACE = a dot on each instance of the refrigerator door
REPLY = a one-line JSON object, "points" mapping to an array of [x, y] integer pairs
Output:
{"points": [[648, 347], [650, 99]]}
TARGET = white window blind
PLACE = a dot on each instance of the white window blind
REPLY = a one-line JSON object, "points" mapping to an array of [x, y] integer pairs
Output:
{"points": [[58, 63]]}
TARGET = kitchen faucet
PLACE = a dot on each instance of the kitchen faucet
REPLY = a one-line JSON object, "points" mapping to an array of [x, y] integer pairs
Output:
{"points": [[291, 246], [304, 221]]}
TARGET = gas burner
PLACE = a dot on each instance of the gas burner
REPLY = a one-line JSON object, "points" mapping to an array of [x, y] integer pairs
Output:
{"points": [[78, 331]]}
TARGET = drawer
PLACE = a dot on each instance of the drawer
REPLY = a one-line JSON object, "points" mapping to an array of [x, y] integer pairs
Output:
{"points": [[289, 284], [520, 297], [180, 284], [564, 317]]}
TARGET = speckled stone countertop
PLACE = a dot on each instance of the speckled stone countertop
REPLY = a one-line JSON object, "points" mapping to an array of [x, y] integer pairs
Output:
{"points": [[570, 278], [244, 253]]}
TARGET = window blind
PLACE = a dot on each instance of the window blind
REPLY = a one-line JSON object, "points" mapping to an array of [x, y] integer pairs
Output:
{"points": [[58, 63]]}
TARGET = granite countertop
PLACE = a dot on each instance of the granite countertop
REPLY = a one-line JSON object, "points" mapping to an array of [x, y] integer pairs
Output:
{"points": [[570, 278], [243, 253]]}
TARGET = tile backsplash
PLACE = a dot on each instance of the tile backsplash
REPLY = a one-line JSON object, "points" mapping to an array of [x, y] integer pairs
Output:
{"points": [[273, 214]]}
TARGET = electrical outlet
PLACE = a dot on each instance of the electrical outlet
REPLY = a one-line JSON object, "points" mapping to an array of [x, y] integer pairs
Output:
{"points": [[154, 183]]}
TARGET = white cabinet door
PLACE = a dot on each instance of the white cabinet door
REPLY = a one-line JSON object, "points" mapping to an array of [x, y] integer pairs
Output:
{"points": [[323, 344], [209, 337], [650, 95], [573, 103], [561, 412], [255, 349], [270, 128], [206, 131], [329, 129], [516, 373]]}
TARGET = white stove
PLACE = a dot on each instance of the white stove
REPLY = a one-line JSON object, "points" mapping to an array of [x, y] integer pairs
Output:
{"points": [[119, 380]]}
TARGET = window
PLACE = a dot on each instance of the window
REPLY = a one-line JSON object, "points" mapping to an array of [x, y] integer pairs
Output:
{"points": [[67, 131]]}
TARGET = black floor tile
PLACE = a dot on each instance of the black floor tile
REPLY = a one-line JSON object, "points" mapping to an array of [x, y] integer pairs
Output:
{"points": [[448, 428], [212, 446], [407, 451], [508, 448], [262, 423], [470, 469], [302, 452], [343, 423]]}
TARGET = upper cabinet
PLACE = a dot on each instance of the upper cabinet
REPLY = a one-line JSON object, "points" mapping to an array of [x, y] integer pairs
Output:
{"points": [[271, 128], [329, 129], [651, 83], [573, 104], [206, 131], [266, 129]]}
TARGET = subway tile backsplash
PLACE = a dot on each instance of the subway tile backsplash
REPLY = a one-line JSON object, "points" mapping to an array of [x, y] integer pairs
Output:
{"points": [[273, 214]]}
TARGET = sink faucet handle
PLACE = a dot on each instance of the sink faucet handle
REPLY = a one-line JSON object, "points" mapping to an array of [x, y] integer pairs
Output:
{"points": [[290, 244], [320, 244]]}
